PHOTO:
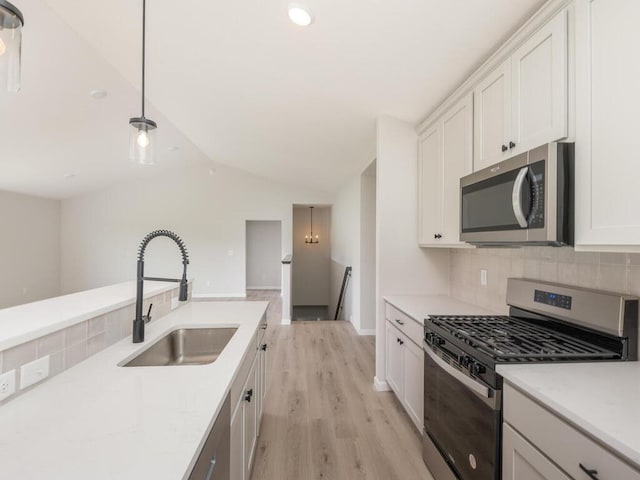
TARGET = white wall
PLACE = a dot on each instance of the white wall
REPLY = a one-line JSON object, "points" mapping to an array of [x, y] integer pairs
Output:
{"points": [[206, 206], [311, 262], [264, 254], [345, 250], [368, 251], [29, 249], [402, 267]]}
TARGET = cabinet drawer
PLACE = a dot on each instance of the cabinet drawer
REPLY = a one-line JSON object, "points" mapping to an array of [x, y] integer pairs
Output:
{"points": [[563, 444], [407, 325]]}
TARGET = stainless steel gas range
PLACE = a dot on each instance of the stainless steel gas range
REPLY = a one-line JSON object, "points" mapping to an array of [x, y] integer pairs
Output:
{"points": [[547, 322]]}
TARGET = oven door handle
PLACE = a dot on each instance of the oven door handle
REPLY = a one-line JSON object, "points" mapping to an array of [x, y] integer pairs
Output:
{"points": [[458, 375], [516, 196]]}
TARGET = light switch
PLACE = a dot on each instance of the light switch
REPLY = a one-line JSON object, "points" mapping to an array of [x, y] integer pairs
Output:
{"points": [[34, 372]]}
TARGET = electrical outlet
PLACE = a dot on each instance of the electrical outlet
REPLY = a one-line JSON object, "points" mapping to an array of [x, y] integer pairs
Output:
{"points": [[34, 372], [483, 277], [174, 303], [7, 384]]}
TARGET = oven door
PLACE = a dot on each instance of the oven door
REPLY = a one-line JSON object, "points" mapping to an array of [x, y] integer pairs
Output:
{"points": [[462, 419]]}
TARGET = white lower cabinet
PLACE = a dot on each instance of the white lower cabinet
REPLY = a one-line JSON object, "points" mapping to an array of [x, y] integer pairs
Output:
{"points": [[247, 411], [523, 461], [538, 445], [405, 371]]}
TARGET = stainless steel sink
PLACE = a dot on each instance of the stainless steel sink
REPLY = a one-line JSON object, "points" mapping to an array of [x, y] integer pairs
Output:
{"points": [[185, 346]]}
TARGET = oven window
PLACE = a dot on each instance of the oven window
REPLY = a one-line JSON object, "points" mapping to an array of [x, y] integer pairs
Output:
{"points": [[461, 424], [487, 205]]}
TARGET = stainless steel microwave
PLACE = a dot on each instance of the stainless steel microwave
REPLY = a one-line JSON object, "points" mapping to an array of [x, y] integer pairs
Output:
{"points": [[526, 200]]}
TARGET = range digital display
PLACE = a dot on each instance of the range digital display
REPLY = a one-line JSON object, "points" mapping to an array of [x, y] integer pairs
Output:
{"points": [[553, 299]]}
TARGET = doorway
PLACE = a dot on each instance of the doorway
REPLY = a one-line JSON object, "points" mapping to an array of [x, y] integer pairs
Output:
{"points": [[263, 255], [311, 262]]}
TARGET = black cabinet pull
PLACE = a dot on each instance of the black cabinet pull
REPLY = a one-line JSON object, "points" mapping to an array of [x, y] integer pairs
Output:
{"points": [[248, 396], [263, 347], [593, 474], [399, 322], [437, 236], [511, 145], [401, 342], [504, 148]]}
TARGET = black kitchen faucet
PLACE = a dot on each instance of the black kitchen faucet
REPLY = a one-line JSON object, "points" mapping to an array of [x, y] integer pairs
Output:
{"points": [[141, 320]]}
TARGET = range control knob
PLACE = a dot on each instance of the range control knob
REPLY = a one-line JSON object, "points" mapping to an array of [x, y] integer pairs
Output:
{"points": [[439, 341], [476, 368], [464, 360]]}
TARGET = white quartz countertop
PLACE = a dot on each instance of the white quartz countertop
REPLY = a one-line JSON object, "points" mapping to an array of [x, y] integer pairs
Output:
{"points": [[600, 399], [100, 421], [420, 307], [24, 323]]}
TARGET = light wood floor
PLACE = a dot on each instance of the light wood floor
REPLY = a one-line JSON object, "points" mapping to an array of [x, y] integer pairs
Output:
{"points": [[322, 418]]}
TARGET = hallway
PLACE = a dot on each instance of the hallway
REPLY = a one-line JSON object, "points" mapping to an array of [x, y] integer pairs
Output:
{"points": [[322, 417]]}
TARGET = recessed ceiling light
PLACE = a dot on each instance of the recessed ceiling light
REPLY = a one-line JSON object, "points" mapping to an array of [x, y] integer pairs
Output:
{"points": [[300, 15], [173, 148], [69, 176], [98, 94]]}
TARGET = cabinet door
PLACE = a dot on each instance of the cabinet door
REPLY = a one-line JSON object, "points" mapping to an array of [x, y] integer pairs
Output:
{"points": [[430, 187], [457, 159], [492, 117], [539, 87], [237, 443], [395, 361], [522, 461], [607, 123], [414, 382], [250, 418], [262, 382]]}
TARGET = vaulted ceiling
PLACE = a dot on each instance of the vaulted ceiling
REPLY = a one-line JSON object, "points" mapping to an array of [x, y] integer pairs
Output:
{"points": [[234, 82]]}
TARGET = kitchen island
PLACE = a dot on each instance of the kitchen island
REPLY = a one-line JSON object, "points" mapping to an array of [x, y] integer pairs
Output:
{"points": [[99, 420]]}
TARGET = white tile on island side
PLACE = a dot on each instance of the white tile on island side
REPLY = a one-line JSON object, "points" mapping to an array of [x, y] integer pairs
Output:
{"points": [[17, 356], [75, 334], [52, 343]]}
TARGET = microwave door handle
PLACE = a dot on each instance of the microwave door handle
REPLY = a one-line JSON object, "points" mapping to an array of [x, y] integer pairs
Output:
{"points": [[457, 374], [516, 197]]}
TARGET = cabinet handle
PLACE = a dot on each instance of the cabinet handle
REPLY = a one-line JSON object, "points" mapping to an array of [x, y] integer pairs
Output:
{"points": [[263, 347], [248, 396], [512, 145], [401, 342], [399, 322], [593, 474], [212, 467], [504, 148], [437, 236]]}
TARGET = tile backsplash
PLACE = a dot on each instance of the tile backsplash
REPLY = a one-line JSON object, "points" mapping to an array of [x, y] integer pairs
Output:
{"points": [[617, 272]]}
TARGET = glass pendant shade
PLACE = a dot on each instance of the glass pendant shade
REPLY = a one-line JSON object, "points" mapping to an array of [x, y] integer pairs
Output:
{"points": [[11, 23], [142, 141]]}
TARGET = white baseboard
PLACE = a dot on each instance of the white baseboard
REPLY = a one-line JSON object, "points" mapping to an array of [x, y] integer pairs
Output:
{"points": [[367, 331], [197, 296], [272, 287], [286, 321], [381, 386]]}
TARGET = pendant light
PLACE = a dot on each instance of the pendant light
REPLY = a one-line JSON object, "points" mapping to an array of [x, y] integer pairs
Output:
{"points": [[310, 238], [142, 131], [11, 23]]}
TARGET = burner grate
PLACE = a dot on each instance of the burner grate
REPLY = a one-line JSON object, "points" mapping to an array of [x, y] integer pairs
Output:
{"points": [[510, 339]]}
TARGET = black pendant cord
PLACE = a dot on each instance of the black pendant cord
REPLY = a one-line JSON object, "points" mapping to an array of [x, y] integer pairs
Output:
{"points": [[144, 24], [311, 223]]}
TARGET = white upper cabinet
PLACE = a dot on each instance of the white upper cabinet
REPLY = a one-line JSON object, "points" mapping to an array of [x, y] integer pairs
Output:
{"points": [[523, 103], [607, 124], [445, 155], [492, 122], [539, 81], [430, 185]]}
